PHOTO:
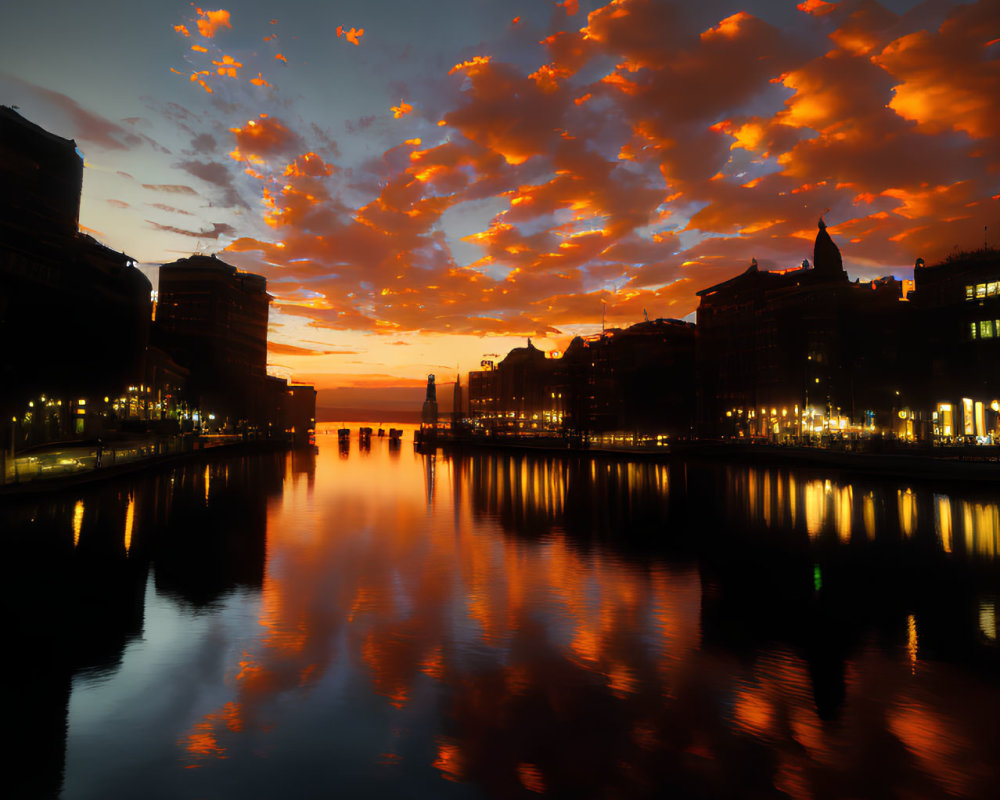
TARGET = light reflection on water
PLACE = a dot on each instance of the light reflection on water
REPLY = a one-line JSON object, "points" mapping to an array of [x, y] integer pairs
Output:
{"points": [[373, 622]]}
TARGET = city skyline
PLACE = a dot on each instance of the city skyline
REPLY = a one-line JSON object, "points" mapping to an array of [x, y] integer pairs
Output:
{"points": [[481, 173]]}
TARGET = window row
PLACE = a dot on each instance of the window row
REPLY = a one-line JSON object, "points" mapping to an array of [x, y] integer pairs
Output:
{"points": [[985, 329], [978, 291]]}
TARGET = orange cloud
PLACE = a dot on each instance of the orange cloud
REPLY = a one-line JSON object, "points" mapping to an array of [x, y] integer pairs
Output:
{"points": [[948, 81], [816, 7], [211, 21], [280, 57], [700, 148], [353, 35], [227, 66], [182, 29]]}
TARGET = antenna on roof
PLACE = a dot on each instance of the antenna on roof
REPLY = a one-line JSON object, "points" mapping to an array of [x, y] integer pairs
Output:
{"points": [[645, 316]]}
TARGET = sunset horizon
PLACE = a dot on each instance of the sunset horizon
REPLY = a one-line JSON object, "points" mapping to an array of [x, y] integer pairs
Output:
{"points": [[423, 191]]}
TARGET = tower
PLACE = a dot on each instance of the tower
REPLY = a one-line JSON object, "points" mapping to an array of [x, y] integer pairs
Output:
{"points": [[429, 413], [827, 261]]}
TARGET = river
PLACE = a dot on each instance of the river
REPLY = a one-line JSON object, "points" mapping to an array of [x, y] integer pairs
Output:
{"points": [[373, 622]]}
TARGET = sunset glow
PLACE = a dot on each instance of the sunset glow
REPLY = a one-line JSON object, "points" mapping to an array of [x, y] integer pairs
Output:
{"points": [[576, 160]]}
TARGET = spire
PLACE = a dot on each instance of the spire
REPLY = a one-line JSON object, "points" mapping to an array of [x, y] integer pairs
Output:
{"points": [[826, 255]]}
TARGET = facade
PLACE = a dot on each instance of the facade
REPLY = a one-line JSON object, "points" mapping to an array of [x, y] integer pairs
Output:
{"points": [[957, 318]]}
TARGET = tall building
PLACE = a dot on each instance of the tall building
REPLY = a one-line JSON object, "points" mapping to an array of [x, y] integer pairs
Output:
{"points": [[212, 319], [74, 314]]}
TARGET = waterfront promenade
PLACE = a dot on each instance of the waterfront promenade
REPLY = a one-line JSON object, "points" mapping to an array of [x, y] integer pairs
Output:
{"points": [[63, 464]]}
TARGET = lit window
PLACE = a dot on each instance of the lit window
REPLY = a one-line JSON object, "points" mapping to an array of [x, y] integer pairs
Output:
{"points": [[973, 330], [986, 329], [980, 291], [970, 292], [992, 288]]}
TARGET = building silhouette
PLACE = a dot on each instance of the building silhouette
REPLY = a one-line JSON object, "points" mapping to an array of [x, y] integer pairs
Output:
{"points": [[636, 381], [523, 393], [80, 353], [212, 320], [789, 354], [74, 314]]}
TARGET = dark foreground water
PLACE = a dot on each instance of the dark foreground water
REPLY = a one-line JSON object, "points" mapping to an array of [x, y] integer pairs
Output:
{"points": [[385, 624]]}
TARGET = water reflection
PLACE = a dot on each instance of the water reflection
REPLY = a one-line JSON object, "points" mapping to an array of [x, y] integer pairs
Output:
{"points": [[863, 509], [379, 622]]}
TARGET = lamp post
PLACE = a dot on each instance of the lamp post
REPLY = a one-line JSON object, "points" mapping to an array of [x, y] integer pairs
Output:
{"points": [[13, 456]]}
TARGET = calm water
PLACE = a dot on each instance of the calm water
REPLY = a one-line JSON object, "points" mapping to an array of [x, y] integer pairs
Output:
{"points": [[386, 624]]}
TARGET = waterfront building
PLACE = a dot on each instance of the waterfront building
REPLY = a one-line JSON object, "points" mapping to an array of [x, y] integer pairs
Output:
{"points": [[957, 332], [301, 413], [74, 314], [522, 394], [212, 319], [799, 353], [637, 381]]}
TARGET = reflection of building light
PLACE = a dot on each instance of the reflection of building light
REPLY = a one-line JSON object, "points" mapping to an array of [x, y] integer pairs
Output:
{"points": [[815, 503], [911, 641], [869, 515], [77, 521], [943, 522], [129, 518], [988, 619], [907, 503]]}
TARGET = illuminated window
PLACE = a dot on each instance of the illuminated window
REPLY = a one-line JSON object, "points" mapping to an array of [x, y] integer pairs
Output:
{"points": [[986, 329], [970, 292], [992, 288], [973, 330], [980, 291]]}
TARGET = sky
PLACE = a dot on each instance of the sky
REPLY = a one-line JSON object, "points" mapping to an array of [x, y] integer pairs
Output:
{"points": [[425, 184]]}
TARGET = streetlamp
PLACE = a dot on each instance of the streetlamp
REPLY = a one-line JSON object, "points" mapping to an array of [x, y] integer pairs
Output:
{"points": [[13, 457]]}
